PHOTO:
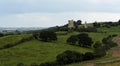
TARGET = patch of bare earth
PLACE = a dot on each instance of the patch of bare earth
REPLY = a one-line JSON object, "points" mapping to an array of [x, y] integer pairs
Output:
{"points": [[116, 52], [117, 40]]}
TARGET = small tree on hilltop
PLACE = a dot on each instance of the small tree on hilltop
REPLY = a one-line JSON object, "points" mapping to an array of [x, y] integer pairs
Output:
{"points": [[79, 22]]}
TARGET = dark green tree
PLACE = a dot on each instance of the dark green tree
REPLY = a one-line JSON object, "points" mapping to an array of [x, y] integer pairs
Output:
{"points": [[79, 22], [68, 57], [47, 36], [72, 39], [84, 40], [88, 56], [97, 44], [97, 25], [100, 52]]}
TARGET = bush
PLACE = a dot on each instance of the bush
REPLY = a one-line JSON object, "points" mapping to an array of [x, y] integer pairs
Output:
{"points": [[84, 40], [88, 56], [97, 44], [47, 36], [99, 52], [108, 41], [72, 39], [68, 57]]}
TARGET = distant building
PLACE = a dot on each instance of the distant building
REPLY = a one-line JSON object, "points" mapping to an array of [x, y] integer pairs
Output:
{"points": [[71, 24]]}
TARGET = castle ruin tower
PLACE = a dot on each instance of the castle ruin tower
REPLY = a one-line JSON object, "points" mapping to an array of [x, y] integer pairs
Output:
{"points": [[71, 24], [85, 25]]}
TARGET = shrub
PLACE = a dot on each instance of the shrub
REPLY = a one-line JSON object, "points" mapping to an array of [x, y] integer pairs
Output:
{"points": [[97, 44], [84, 40], [99, 52], [68, 57], [72, 39], [88, 56], [108, 41]]}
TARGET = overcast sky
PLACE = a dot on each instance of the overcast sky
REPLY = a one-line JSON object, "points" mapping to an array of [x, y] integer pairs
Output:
{"points": [[46, 13]]}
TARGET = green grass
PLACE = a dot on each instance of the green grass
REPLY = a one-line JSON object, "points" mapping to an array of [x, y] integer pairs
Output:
{"points": [[35, 51], [12, 39]]}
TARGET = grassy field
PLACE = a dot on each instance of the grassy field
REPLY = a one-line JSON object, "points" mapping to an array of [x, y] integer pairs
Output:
{"points": [[37, 52], [13, 39]]}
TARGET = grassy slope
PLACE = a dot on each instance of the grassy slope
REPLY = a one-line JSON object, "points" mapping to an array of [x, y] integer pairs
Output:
{"points": [[36, 51], [12, 39]]}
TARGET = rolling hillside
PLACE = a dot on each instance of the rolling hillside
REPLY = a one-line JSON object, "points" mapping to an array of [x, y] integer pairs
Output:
{"points": [[35, 51]]}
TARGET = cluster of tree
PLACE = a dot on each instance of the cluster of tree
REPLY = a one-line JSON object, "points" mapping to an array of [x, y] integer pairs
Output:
{"points": [[108, 43], [102, 48], [89, 29], [77, 23], [45, 36], [82, 40], [69, 57], [106, 24]]}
